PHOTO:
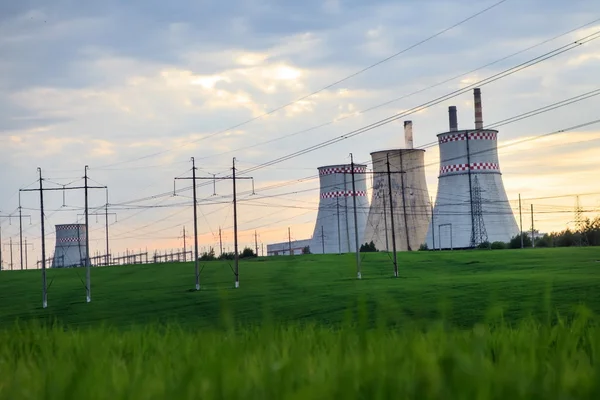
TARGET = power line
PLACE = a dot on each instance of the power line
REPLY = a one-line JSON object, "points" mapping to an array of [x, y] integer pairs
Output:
{"points": [[423, 106], [431, 103], [388, 102], [274, 110]]}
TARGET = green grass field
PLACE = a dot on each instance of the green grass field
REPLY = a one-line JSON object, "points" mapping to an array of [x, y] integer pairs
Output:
{"points": [[479, 324], [463, 286]]}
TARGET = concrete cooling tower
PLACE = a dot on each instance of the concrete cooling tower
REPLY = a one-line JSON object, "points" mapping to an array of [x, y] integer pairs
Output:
{"points": [[335, 231], [70, 249], [471, 205], [410, 203]]}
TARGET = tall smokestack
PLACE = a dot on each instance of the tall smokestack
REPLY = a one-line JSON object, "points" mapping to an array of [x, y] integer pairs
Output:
{"points": [[408, 134], [478, 109], [453, 118]]}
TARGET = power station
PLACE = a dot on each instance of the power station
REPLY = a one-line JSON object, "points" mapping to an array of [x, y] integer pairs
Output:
{"points": [[471, 205], [399, 191], [70, 249], [335, 229]]}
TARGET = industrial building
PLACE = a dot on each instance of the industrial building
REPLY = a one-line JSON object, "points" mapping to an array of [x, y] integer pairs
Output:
{"points": [[471, 205], [284, 248], [408, 201], [70, 249], [335, 228]]}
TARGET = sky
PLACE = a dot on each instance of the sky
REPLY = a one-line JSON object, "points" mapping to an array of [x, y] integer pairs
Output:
{"points": [[134, 90]]}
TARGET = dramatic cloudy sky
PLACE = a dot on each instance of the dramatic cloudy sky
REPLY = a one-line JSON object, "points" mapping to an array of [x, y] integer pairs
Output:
{"points": [[134, 89]]}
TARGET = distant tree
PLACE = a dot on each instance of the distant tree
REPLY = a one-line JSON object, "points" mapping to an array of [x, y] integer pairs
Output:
{"points": [[498, 246], [591, 231], [515, 242], [423, 247], [247, 253], [586, 234], [208, 256], [368, 248], [544, 241], [227, 256], [306, 250], [567, 238]]}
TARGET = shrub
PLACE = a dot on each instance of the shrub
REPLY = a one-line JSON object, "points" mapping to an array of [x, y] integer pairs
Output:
{"points": [[498, 246], [368, 248], [227, 256], [208, 256], [515, 242], [247, 253]]}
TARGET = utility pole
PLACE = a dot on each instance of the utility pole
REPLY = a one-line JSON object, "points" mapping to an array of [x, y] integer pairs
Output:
{"points": [[41, 189], [532, 229], [87, 239], [235, 231], [256, 243], [106, 229], [432, 225], [106, 214], [323, 239], [196, 266], [358, 274], [44, 290], [389, 174], [404, 202], [20, 232], [196, 255], [11, 254], [26, 251], [1, 246], [290, 240], [262, 249], [220, 241], [387, 245], [21, 229], [346, 208], [184, 246], [521, 221], [337, 206]]}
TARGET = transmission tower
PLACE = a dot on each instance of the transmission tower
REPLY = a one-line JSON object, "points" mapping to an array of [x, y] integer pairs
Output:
{"points": [[479, 234], [580, 223]]}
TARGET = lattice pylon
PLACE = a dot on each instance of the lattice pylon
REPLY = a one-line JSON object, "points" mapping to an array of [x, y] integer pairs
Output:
{"points": [[479, 233]]}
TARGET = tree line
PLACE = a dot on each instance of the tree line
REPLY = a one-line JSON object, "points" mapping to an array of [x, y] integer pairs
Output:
{"points": [[210, 255], [588, 234]]}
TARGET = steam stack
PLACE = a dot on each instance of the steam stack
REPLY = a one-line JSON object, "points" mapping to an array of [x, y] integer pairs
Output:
{"points": [[70, 249], [334, 229], [471, 204], [408, 134], [409, 198]]}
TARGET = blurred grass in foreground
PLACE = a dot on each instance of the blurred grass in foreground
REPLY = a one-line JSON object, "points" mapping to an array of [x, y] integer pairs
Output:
{"points": [[529, 360]]}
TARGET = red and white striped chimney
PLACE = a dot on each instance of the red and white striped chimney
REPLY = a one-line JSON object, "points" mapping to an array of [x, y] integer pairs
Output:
{"points": [[408, 134], [478, 109]]}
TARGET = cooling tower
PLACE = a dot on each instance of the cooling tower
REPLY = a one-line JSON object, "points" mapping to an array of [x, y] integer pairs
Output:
{"points": [[471, 205], [70, 250], [334, 231], [409, 198]]}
